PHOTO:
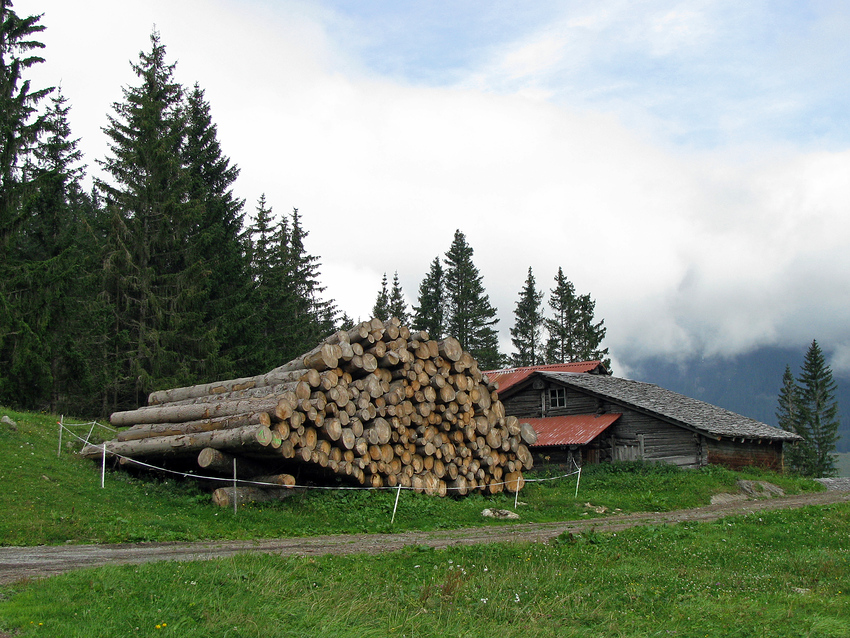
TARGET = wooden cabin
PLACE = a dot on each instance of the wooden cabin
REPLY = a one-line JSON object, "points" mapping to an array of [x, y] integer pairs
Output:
{"points": [[586, 416]]}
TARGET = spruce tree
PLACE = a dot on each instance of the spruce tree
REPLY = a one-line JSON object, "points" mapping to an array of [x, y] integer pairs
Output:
{"points": [[267, 241], [59, 253], [381, 309], [216, 243], [591, 333], [818, 412], [797, 455], [562, 343], [525, 335], [20, 123], [397, 304], [152, 285], [470, 318], [315, 316], [20, 128], [429, 315], [574, 335]]}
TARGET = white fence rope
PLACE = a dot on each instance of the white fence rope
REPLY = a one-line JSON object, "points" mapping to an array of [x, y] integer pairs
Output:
{"points": [[234, 480]]}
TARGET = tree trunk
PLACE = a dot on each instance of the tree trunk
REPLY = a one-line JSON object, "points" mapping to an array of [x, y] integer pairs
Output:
{"points": [[249, 438], [225, 496]]}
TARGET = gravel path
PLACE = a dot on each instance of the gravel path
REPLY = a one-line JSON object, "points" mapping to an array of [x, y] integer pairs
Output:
{"points": [[18, 563]]}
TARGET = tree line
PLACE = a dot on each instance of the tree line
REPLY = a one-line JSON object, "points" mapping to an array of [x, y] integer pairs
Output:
{"points": [[452, 301], [156, 276]]}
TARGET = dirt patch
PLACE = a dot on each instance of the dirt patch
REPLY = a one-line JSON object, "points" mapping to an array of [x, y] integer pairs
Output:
{"points": [[19, 563]]}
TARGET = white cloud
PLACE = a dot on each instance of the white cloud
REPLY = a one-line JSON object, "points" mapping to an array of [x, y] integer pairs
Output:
{"points": [[685, 253]]}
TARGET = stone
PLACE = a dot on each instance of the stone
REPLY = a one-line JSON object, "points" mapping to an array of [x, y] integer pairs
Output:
{"points": [[488, 513]]}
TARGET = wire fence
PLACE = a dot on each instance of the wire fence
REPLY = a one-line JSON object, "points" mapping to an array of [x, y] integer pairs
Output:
{"points": [[235, 482]]}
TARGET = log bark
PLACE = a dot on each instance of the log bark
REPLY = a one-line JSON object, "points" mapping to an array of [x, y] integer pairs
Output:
{"points": [[193, 412], [249, 437], [284, 480], [225, 496], [217, 461], [146, 431]]}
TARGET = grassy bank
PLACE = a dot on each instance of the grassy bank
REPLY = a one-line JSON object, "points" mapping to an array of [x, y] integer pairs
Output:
{"points": [[53, 497], [776, 574]]}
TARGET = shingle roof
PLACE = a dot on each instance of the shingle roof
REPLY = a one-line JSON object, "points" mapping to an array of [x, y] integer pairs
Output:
{"points": [[577, 429], [671, 406], [509, 377]]}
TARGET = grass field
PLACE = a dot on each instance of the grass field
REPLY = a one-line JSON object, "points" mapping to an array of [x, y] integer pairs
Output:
{"points": [[783, 573]]}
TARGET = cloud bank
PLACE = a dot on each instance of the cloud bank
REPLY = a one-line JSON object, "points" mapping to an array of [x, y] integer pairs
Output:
{"points": [[711, 247]]}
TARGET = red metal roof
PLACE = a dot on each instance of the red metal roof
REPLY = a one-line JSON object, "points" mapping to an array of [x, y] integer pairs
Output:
{"points": [[578, 429], [511, 376]]}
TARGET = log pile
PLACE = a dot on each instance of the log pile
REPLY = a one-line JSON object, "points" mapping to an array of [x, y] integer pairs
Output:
{"points": [[378, 404]]}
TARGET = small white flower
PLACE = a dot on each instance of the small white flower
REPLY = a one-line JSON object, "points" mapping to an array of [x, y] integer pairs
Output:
{"points": [[484, 600], [516, 597]]}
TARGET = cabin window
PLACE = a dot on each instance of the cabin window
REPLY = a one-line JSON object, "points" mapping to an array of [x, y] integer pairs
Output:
{"points": [[557, 397]]}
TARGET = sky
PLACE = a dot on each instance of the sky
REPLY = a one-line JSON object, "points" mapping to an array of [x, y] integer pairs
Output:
{"points": [[686, 163]]}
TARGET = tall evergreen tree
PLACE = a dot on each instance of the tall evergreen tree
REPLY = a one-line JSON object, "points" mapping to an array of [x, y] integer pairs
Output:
{"points": [[561, 346], [818, 412], [20, 124], [316, 317], [59, 257], [429, 315], [574, 335], [470, 318], [20, 128], [267, 241], [525, 335], [397, 304], [216, 244], [290, 314], [153, 287], [797, 456], [381, 309]]}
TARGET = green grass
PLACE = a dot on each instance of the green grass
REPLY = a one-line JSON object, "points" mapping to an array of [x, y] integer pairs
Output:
{"points": [[783, 573], [53, 499], [776, 574]]}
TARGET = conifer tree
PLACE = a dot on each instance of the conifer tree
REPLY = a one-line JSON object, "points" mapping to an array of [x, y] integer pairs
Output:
{"points": [[59, 258], [290, 315], [381, 309], [315, 317], [818, 412], [20, 124], [470, 318], [267, 240], [216, 243], [574, 335], [430, 313], [562, 343], [397, 304], [797, 457], [151, 283], [525, 335], [20, 128]]}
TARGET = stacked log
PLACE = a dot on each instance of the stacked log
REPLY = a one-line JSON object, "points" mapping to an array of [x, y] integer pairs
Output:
{"points": [[380, 405]]}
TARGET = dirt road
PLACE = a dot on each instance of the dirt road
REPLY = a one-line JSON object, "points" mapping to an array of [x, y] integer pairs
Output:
{"points": [[17, 563]]}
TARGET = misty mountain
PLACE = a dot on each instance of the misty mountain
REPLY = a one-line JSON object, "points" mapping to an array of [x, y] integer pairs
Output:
{"points": [[747, 384]]}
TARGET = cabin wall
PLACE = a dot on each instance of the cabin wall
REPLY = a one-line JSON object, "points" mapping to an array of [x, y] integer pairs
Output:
{"points": [[736, 455], [634, 436]]}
